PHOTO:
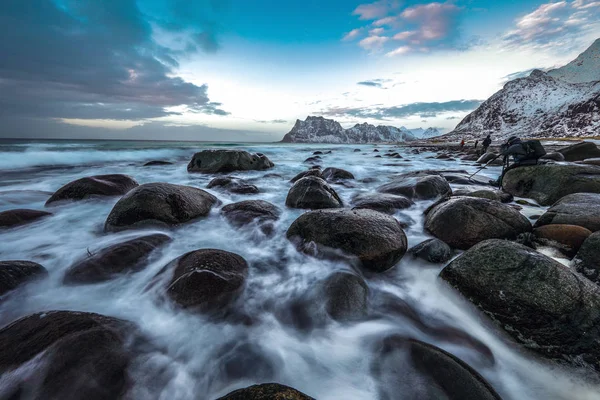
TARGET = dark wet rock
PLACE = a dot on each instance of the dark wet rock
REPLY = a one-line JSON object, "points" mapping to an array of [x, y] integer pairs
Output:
{"points": [[312, 193], [582, 209], [377, 156], [591, 161], [356, 150], [568, 238], [555, 156], [313, 160], [159, 204], [417, 187], [345, 296], [369, 180], [490, 194], [335, 174], [463, 222], [317, 153], [486, 158], [233, 185], [548, 183], [420, 370], [382, 202], [374, 238], [266, 391], [115, 260], [580, 151], [16, 273], [587, 260], [213, 161], [311, 172], [205, 279], [541, 303], [157, 163], [432, 250], [376, 151], [443, 157], [470, 157], [247, 212], [79, 356], [94, 186], [525, 203], [535, 217], [20, 216]]}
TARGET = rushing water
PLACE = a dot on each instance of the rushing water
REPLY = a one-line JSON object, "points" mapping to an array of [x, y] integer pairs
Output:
{"points": [[332, 361]]}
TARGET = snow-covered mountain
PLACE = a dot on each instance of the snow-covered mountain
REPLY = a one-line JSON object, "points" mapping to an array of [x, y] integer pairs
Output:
{"points": [[322, 130], [421, 133], [564, 102]]}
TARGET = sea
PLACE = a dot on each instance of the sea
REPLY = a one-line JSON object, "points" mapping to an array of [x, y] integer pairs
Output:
{"points": [[331, 361]]}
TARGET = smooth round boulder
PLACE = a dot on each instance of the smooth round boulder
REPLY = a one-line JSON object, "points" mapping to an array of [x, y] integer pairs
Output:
{"points": [[547, 307], [206, 279], [69, 348], [247, 212], [382, 202], [548, 183], [159, 204], [490, 194], [233, 185], [20, 216], [214, 161], [15, 273], [311, 172], [375, 239], [115, 260], [568, 237], [580, 151], [345, 296], [155, 163], [432, 250], [420, 370], [555, 156], [94, 186], [587, 259], [417, 187], [591, 161], [581, 209], [266, 391], [336, 174], [312, 193], [487, 157], [462, 222]]}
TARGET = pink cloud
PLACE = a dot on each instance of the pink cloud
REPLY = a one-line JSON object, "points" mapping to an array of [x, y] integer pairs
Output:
{"points": [[373, 43], [399, 51], [376, 31], [375, 10], [353, 34], [435, 20]]}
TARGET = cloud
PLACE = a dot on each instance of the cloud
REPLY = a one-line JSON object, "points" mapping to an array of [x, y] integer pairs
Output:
{"points": [[99, 59], [554, 22], [399, 51], [521, 74], [272, 121], [378, 83], [375, 10], [353, 34], [434, 21], [422, 110], [373, 43]]}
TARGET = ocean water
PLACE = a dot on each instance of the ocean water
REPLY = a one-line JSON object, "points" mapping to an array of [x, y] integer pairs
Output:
{"points": [[332, 361]]}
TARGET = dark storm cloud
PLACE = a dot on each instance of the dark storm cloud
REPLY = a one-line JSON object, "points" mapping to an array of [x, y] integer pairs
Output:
{"points": [[93, 59], [422, 110]]}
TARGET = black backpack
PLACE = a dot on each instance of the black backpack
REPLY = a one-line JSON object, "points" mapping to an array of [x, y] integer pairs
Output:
{"points": [[534, 149]]}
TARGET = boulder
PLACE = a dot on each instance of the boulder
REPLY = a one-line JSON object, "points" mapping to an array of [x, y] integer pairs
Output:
{"points": [[77, 355], [417, 187], [374, 238], [591, 161], [233, 185], [266, 391], [568, 237], [463, 222], [312, 193], [247, 212], [420, 370], [20, 216], [205, 279], [555, 156], [580, 151], [541, 303], [16, 273], [336, 174], [94, 186], [311, 172], [432, 250], [549, 182], [213, 161], [345, 296], [486, 158], [490, 194], [581, 209], [157, 162], [115, 260], [382, 202], [587, 260], [313, 160], [159, 204]]}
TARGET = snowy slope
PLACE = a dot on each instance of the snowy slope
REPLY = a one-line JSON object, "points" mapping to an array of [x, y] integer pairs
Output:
{"points": [[585, 68]]}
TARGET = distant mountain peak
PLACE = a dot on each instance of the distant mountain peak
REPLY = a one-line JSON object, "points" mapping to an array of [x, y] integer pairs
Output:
{"points": [[585, 68]]}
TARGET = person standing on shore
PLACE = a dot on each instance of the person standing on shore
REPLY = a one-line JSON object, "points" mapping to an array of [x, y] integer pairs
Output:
{"points": [[476, 143], [462, 143], [486, 143]]}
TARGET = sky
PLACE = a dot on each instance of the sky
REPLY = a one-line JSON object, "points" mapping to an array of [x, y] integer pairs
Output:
{"points": [[245, 70]]}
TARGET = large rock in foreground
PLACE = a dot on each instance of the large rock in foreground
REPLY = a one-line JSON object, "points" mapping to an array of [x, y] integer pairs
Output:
{"points": [[94, 186], [79, 356], [266, 391], [587, 260], [312, 193], [580, 151], [376, 239], [159, 204], [16, 273], [115, 260], [213, 161], [582, 209], [417, 187], [548, 183], [547, 307], [462, 222], [20, 216]]}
